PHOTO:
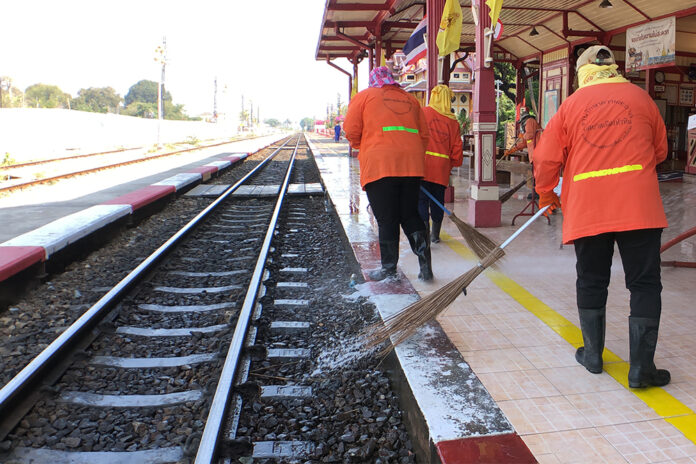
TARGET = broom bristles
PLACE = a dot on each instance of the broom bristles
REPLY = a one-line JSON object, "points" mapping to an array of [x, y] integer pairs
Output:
{"points": [[507, 195], [403, 324], [480, 244]]}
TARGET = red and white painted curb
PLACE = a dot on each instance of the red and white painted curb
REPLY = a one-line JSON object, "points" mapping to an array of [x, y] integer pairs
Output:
{"points": [[38, 245]]}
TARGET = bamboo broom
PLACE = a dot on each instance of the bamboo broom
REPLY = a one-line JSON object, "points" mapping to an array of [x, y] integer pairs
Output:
{"points": [[401, 325], [479, 243], [507, 195]]}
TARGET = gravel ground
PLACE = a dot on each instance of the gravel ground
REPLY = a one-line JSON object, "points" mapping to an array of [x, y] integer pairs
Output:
{"points": [[352, 416], [29, 325]]}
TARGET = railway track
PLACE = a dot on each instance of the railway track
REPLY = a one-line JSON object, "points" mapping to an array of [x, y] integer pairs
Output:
{"points": [[14, 173], [206, 352]]}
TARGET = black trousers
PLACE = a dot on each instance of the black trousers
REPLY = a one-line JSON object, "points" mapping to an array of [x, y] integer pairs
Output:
{"points": [[640, 256], [394, 202], [427, 207]]}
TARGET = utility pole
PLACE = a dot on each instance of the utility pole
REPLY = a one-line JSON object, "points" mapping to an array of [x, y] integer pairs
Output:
{"points": [[215, 114], [160, 57], [6, 85], [164, 65]]}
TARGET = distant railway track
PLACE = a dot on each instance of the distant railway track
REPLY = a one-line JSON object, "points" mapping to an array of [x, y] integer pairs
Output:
{"points": [[52, 179]]}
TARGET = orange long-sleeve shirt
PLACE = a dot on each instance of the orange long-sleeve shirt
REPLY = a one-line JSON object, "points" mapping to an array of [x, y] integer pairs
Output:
{"points": [[528, 139], [444, 150], [388, 126], [607, 138]]}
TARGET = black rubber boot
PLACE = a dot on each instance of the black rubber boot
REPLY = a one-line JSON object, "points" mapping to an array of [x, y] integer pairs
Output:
{"points": [[435, 235], [642, 332], [593, 324], [389, 255], [421, 247]]}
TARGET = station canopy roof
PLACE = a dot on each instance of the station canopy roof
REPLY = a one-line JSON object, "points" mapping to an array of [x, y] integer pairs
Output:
{"points": [[558, 23]]}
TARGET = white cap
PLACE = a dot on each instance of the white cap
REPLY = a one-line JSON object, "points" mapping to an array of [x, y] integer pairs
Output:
{"points": [[596, 54]]}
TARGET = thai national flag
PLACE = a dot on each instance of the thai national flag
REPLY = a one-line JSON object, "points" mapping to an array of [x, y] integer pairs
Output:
{"points": [[415, 47]]}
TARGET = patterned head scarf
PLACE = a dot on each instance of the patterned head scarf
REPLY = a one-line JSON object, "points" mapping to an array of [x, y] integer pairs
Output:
{"points": [[381, 76], [441, 100]]}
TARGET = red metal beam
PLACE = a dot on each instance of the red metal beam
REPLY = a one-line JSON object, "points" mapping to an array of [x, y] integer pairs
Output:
{"points": [[386, 11], [554, 32], [331, 48], [333, 38], [352, 40], [324, 56], [332, 24], [359, 7], [587, 20], [570, 32], [639, 11], [350, 76]]}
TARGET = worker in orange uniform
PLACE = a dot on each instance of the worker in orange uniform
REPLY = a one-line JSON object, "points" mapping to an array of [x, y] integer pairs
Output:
{"points": [[444, 152], [608, 137], [529, 137], [388, 127]]}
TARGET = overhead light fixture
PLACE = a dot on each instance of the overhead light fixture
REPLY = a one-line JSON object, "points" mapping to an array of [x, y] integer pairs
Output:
{"points": [[606, 4], [534, 32]]}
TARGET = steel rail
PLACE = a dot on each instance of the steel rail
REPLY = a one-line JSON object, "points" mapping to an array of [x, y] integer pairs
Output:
{"points": [[218, 408], [120, 150], [64, 158], [19, 388], [49, 180]]}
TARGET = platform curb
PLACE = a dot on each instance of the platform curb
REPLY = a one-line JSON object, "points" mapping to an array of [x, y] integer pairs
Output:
{"points": [[33, 247], [453, 420]]}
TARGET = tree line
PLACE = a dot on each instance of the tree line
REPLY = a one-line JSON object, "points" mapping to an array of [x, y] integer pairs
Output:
{"points": [[140, 101]]}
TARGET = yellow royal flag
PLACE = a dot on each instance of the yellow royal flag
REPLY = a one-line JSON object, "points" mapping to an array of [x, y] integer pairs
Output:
{"points": [[495, 6], [354, 90], [450, 31]]}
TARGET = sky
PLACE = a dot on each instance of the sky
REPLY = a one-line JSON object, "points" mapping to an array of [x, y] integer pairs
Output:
{"points": [[262, 49]]}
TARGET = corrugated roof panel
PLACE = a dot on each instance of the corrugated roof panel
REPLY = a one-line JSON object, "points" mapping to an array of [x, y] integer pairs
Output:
{"points": [[611, 18], [517, 14], [655, 9]]}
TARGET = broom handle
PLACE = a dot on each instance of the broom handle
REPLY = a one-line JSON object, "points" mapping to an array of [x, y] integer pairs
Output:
{"points": [[524, 226], [449, 213]]}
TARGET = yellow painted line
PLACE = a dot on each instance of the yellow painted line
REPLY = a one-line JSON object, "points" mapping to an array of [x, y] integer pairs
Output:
{"points": [[686, 424], [668, 407]]}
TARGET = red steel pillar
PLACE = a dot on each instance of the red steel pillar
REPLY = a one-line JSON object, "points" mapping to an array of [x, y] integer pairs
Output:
{"points": [[434, 10], [650, 82], [519, 90], [484, 205]]}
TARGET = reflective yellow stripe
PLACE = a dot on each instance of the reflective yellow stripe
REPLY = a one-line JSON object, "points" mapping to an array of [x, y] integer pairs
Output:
{"points": [[608, 172], [399, 128], [439, 155]]}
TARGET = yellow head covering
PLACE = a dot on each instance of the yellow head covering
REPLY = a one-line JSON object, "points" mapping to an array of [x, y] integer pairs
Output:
{"points": [[441, 100], [591, 74]]}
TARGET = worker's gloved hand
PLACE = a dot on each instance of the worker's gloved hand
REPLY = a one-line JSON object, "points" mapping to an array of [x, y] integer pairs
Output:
{"points": [[549, 199]]}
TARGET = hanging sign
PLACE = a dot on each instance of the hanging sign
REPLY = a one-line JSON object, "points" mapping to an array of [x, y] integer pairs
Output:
{"points": [[498, 31], [651, 45]]}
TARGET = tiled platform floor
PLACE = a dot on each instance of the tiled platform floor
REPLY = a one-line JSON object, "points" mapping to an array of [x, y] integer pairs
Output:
{"points": [[518, 330]]}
